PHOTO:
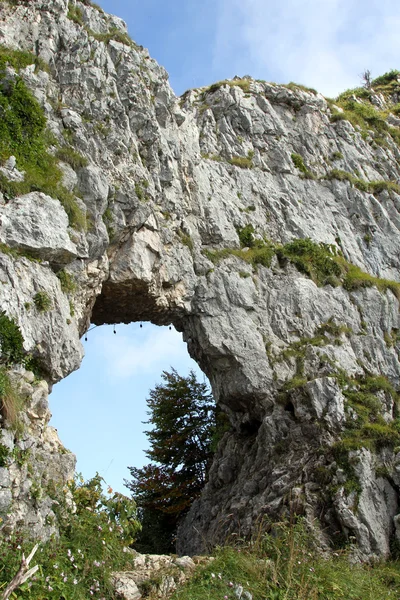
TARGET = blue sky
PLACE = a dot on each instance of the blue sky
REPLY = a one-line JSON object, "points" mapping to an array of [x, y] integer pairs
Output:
{"points": [[322, 44], [99, 410]]}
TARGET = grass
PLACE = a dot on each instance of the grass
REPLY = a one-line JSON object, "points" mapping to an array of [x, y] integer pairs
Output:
{"points": [[42, 301], [10, 400], [299, 164], [321, 262], [372, 187], [284, 565], [113, 34], [369, 429], [243, 84], [67, 282], [243, 162], [71, 157]]}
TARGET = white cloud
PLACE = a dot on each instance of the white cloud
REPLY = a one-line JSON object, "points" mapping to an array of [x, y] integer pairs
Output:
{"points": [[325, 45], [134, 353]]}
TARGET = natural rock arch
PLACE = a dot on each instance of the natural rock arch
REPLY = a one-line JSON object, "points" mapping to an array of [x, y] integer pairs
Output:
{"points": [[167, 187]]}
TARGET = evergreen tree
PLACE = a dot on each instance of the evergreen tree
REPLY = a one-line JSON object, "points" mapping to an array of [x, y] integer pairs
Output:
{"points": [[182, 416]]}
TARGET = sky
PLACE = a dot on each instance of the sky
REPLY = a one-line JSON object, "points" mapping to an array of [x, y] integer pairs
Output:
{"points": [[324, 44]]}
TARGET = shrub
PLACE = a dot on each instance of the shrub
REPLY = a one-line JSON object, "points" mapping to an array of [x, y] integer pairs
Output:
{"points": [[246, 236], [42, 301], [11, 402], [67, 282], [11, 341], [386, 78], [315, 260], [23, 134]]}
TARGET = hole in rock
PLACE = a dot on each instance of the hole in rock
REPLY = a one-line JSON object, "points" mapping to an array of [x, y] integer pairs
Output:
{"points": [[99, 410]]}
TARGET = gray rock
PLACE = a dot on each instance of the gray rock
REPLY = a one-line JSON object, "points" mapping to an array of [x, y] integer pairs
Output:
{"points": [[25, 225], [162, 188]]}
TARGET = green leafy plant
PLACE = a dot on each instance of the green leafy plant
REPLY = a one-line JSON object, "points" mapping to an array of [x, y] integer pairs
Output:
{"points": [[67, 281], [11, 341], [23, 134], [10, 400], [299, 164], [42, 301], [92, 544]]}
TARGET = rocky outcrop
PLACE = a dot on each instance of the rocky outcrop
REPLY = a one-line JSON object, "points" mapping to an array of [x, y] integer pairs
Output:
{"points": [[190, 206]]}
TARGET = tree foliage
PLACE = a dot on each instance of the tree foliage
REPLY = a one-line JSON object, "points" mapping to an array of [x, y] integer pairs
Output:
{"points": [[182, 419]]}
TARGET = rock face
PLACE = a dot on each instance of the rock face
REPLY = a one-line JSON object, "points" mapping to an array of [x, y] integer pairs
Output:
{"points": [[169, 186]]}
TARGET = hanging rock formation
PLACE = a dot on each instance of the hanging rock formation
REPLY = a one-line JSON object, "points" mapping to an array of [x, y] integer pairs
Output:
{"points": [[189, 211]]}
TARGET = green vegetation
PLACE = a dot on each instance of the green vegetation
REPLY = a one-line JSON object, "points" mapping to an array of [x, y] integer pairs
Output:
{"points": [[323, 263], [244, 162], [299, 164], [75, 13], [4, 455], [298, 86], [11, 341], [182, 419], [113, 34], [92, 544], [373, 187], [10, 400], [186, 240], [360, 112], [19, 59], [23, 134], [337, 155], [366, 428], [67, 281], [42, 301], [72, 157], [244, 85], [283, 564]]}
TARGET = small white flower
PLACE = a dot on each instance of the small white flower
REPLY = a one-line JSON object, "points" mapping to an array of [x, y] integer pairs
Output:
{"points": [[75, 581]]}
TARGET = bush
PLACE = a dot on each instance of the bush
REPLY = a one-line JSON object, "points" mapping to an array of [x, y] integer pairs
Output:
{"points": [[315, 260], [10, 400], [23, 134], [67, 282], [42, 301], [11, 341]]}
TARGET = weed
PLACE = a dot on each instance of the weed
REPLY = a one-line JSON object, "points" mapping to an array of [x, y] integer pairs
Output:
{"points": [[42, 301], [241, 161], [67, 282], [10, 399], [72, 157], [299, 164], [11, 341], [244, 85]]}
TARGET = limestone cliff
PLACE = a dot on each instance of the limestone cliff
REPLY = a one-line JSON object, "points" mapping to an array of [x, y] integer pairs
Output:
{"points": [[261, 220]]}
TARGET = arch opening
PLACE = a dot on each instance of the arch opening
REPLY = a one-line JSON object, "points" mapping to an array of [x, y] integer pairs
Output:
{"points": [[100, 410]]}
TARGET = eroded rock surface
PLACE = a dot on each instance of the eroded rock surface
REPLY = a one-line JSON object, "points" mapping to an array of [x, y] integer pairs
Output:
{"points": [[166, 182]]}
